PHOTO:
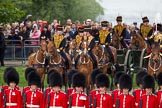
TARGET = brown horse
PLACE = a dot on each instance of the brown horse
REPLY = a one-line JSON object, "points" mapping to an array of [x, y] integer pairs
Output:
{"points": [[56, 61], [104, 60], [37, 60], [137, 42], [116, 41], [155, 64], [85, 64]]}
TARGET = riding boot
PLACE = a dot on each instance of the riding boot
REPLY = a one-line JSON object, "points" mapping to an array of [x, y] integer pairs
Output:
{"points": [[93, 59], [111, 54], [66, 59], [76, 60], [2, 63], [124, 43]]}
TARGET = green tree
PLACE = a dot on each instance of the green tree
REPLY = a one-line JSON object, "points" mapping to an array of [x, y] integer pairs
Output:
{"points": [[9, 13], [60, 9]]}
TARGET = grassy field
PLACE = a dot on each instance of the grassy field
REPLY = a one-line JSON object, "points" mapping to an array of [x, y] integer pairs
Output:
{"points": [[23, 82], [20, 70]]}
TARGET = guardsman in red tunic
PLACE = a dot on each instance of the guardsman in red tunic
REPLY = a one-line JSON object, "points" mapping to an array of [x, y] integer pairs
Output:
{"points": [[125, 100], [159, 92], [78, 99], [95, 91], [56, 98], [1, 100], [12, 96], [118, 91], [34, 98], [103, 99], [7, 70], [140, 91], [27, 72], [149, 100], [48, 89], [71, 89]]}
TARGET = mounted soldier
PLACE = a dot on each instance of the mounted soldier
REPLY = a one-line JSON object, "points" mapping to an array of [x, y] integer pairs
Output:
{"points": [[146, 30], [121, 31], [60, 44]]}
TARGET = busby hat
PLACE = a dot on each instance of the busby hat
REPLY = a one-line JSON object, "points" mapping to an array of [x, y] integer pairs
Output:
{"points": [[102, 80], [70, 75], [104, 23], [119, 18], [148, 82], [117, 76], [145, 19], [139, 76], [59, 28], [78, 80], [6, 71], [159, 79], [55, 79], [12, 76], [159, 27], [87, 28], [81, 29], [27, 71], [125, 82], [34, 79], [94, 74], [49, 73]]}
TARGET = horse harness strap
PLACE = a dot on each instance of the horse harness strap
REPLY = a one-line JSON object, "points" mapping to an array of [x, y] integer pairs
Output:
{"points": [[38, 65]]}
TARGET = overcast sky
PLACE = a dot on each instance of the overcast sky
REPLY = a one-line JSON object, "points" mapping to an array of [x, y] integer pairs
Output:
{"points": [[131, 10]]}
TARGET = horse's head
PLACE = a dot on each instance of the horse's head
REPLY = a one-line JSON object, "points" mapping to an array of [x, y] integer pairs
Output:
{"points": [[72, 44], [135, 42], [115, 40], [84, 44], [43, 47], [155, 57], [51, 48]]}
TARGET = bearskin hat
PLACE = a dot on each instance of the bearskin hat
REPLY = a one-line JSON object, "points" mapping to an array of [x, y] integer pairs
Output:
{"points": [[148, 82], [125, 82], [29, 70], [159, 79], [7, 70], [70, 75], [102, 80], [159, 27], [119, 18], [12, 76], [49, 73], [55, 79], [139, 76], [94, 73], [117, 76], [104, 23], [78, 80], [34, 78]]}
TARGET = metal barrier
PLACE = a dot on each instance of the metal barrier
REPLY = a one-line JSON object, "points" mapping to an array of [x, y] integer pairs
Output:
{"points": [[17, 50]]}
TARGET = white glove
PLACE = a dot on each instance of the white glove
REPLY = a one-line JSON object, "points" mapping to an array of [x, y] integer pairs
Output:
{"points": [[146, 39], [103, 46], [58, 50], [155, 33]]}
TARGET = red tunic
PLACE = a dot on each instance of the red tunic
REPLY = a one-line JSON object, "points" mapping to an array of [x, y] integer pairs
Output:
{"points": [[115, 94], [48, 90], [28, 88], [80, 100], [149, 101], [13, 98], [6, 87], [126, 101], [34, 99], [69, 92], [1, 100], [137, 95], [93, 93], [159, 98], [58, 99], [104, 101]]}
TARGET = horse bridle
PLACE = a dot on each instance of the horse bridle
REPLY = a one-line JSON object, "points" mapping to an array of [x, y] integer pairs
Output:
{"points": [[154, 68]]}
